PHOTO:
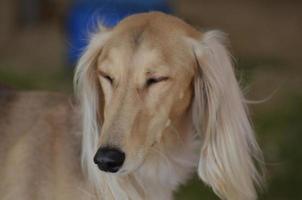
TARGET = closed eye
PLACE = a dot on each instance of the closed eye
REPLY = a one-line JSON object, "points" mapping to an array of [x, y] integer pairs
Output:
{"points": [[108, 78], [152, 81], [105, 76]]}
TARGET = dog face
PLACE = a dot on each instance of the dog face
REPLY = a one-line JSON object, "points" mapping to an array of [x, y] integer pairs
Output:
{"points": [[146, 76]]}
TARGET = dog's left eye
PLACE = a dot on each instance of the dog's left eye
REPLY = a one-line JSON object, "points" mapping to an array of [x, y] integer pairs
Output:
{"points": [[152, 81]]}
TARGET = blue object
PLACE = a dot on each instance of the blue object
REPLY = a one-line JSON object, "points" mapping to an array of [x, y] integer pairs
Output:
{"points": [[85, 15]]}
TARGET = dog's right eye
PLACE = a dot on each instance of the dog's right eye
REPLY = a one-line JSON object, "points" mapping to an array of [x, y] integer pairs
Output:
{"points": [[108, 78], [105, 76]]}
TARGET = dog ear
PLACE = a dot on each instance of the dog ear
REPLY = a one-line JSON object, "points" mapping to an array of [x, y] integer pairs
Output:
{"points": [[229, 149], [89, 93]]}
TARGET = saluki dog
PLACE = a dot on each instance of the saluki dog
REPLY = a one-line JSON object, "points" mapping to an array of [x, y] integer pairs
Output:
{"points": [[156, 99]]}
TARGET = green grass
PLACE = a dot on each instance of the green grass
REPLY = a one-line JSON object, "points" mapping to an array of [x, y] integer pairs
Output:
{"points": [[281, 137], [37, 80]]}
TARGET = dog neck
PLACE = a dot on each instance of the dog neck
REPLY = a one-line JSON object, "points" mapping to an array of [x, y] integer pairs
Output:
{"points": [[160, 175], [168, 168]]}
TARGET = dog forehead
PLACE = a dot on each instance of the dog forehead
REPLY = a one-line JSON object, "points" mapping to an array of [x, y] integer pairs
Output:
{"points": [[149, 39], [148, 58], [143, 59], [158, 22], [157, 29]]}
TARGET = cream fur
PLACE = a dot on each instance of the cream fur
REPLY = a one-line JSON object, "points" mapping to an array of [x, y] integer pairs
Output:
{"points": [[228, 148], [194, 118]]}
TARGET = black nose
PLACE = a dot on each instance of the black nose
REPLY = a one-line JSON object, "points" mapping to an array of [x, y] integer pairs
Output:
{"points": [[109, 159]]}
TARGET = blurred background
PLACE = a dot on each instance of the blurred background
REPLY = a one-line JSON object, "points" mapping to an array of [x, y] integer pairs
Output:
{"points": [[40, 41]]}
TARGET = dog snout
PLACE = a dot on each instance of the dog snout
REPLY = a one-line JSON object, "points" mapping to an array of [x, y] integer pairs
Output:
{"points": [[109, 159]]}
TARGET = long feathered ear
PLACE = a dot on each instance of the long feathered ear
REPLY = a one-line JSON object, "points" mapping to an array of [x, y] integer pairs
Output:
{"points": [[89, 94], [229, 149]]}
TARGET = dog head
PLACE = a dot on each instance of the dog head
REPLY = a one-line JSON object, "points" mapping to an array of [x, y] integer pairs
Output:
{"points": [[151, 73]]}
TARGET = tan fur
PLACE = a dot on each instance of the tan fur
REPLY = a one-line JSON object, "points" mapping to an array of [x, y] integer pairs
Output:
{"points": [[154, 125], [39, 148]]}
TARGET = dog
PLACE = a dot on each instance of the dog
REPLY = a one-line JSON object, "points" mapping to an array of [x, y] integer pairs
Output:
{"points": [[157, 100]]}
